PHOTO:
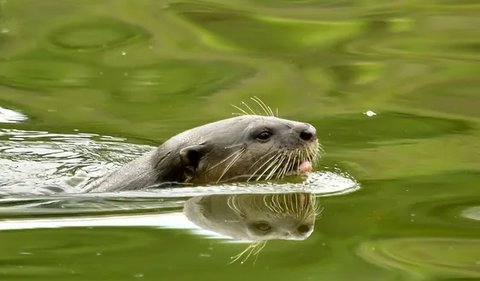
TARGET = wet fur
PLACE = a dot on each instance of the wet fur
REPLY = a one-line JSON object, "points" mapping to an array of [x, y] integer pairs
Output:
{"points": [[219, 151]]}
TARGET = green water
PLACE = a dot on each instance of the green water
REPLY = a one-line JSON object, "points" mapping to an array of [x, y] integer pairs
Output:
{"points": [[98, 81]]}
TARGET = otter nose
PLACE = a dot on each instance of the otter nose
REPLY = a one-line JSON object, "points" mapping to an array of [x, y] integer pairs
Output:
{"points": [[309, 133]]}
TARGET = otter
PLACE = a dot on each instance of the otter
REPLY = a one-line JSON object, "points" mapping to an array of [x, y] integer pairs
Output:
{"points": [[241, 148], [255, 217]]}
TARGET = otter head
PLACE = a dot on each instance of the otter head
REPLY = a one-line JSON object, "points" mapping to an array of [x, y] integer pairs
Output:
{"points": [[248, 147]]}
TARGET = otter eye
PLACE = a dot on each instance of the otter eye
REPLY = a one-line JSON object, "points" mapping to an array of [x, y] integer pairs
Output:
{"points": [[262, 226], [264, 136]]}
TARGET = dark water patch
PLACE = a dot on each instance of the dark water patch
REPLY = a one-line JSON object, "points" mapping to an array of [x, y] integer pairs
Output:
{"points": [[115, 99], [417, 36], [403, 207], [360, 130], [97, 35], [455, 212], [449, 95], [279, 36], [436, 257], [166, 76], [181, 77], [57, 257], [45, 73], [359, 73]]}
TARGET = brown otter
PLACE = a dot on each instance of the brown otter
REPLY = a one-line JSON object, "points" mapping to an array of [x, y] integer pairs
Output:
{"points": [[248, 147]]}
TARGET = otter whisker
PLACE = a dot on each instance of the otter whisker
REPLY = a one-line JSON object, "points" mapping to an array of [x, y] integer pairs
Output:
{"points": [[233, 145], [270, 110], [273, 162], [249, 108], [301, 205], [265, 163], [295, 206], [266, 204], [261, 105], [285, 168], [252, 175], [259, 248], [266, 108], [274, 169], [279, 203], [275, 204], [234, 160], [261, 158], [292, 163], [237, 257], [320, 147], [240, 109], [319, 210], [317, 150], [295, 161], [223, 161], [231, 203], [285, 203], [252, 249], [316, 209]]}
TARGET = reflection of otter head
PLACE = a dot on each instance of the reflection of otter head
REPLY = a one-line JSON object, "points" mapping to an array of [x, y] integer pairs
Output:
{"points": [[255, 217]]}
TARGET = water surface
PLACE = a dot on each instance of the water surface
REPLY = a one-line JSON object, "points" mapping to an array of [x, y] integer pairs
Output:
{"points": [[392, 88]]}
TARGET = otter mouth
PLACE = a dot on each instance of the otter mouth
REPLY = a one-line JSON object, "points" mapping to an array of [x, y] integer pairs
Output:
{"points": [[273, 165], [305, 167], [296, 162]]}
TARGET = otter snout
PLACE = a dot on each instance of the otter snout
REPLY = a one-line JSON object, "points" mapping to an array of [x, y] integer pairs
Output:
{"points": [[308, 132]]}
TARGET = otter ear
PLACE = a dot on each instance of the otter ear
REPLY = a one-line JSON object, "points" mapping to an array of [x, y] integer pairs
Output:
{"points": [[192, 155]]}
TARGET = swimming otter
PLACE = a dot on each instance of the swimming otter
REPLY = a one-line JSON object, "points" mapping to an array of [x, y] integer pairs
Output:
{"points": [[247, 147]]}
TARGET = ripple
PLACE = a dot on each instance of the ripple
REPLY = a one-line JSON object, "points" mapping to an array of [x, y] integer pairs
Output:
{"points": [[385, 127], [268, 35], [38, 162], [426, 257], [456, 212], [45, 73], [42, 254], [97, 34], [472, 213], [182, 77], [11, 116]]}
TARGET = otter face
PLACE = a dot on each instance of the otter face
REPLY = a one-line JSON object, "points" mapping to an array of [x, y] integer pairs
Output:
{"points": [[248, 147]]}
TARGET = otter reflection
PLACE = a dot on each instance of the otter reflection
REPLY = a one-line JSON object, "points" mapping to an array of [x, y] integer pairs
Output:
{"points": [[255, 217]]}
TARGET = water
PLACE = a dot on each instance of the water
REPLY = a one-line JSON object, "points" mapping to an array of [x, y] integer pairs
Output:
{"points": [[392, 88]]}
